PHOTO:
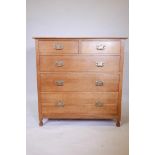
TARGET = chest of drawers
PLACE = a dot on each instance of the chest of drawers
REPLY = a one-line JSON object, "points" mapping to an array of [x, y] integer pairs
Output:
{"points": [[79, 78]]}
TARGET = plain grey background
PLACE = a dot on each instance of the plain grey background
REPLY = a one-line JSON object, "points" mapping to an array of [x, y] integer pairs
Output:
{"points": [[73, 18]]}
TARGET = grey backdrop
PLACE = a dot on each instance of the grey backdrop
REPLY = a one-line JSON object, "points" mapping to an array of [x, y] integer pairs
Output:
{"points": [[72, 18]]}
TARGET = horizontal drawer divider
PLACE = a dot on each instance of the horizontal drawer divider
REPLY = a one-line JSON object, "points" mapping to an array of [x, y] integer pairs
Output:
{"points": [[106, 73], [72, 105], [113, 73], [78, 54]]}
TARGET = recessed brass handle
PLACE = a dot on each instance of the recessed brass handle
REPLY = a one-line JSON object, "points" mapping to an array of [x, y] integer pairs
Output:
{"points": [[59, 82], [99, 83], [99, 104], [60, 103], [59, 63], [58, 46], [100, 46], [100, 64]]}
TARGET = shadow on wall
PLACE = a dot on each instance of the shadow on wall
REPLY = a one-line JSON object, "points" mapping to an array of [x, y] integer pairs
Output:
{"points": [[31, 85], [125, 93]]}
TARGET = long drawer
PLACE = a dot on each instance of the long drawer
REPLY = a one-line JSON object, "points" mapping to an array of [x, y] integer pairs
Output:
{"points": [[100, 47], [79, 63], [79, 82], [79, 103], [58, 47]]}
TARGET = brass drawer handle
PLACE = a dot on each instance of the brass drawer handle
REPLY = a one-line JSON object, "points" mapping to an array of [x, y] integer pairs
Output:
{"points": [[100, 47], [58, 46], [59, 63], [99, 104], [100, 64], [59, 82], [99, 83], [60, 103]]}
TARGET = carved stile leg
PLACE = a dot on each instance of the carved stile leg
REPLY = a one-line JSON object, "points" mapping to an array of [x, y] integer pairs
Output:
{"points": [[118, 123], [40, 123]]}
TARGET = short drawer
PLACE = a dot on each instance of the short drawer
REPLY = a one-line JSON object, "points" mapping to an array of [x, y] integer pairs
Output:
{"points": [[79, 103], [79, 82], [79, 63], [49, 47], [100, 47]]}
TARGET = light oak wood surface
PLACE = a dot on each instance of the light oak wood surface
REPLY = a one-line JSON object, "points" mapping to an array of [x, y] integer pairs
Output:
{"points": [[79, 78], [51, 47], [80, 63], [79, 98], [86, 110], [79, 82], [79, 103], [91, 46]]}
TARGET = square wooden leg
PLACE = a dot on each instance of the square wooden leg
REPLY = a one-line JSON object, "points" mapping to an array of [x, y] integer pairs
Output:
{"points": [[118, 123], [40, 122]]}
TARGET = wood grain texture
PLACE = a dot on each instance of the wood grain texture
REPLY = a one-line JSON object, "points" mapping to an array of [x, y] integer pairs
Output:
{"points": [[90, 46], [74, 62], [90, 110], [79, 82], [69, 46], [120, 83], [80, 63], [80, 116], [38, 83], [79, 98], [79, 103]]}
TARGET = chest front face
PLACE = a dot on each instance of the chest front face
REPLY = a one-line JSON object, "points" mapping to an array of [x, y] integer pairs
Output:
{"points": [[79, 78]]}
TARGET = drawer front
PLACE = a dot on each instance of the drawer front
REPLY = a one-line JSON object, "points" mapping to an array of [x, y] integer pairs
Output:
{"points": [[80, 63], [79, 103], [100, 47], [58, 47], [79, 82]]}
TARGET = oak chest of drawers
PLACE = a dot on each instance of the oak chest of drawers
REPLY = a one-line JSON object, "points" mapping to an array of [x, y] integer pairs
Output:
{"points": [[79, 78]]}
